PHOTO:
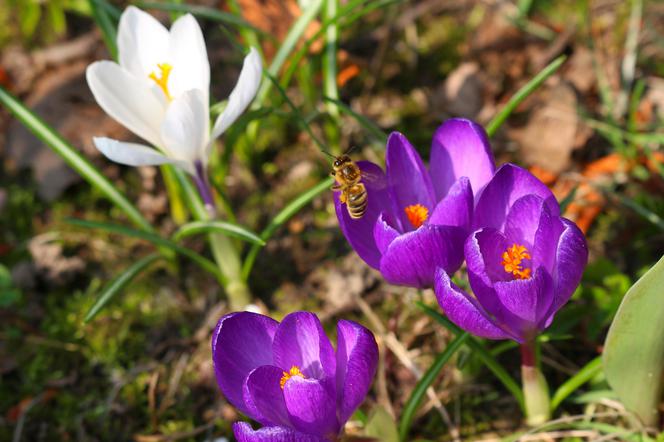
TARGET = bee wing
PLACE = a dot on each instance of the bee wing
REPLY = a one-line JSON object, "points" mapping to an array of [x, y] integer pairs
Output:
{"points": [[373, 179]]}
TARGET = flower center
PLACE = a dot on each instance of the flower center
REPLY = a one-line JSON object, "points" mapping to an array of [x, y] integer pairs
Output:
{"points": [[294, 371], [162, 80], [512, 258], [416, 214]]}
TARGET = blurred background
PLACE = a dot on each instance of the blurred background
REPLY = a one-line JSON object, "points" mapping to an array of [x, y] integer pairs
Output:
{"points": [[142, 370]]}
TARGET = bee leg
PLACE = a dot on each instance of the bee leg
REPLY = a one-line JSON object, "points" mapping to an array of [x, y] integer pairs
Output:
{"points": [[342, 197], [336, 187]]}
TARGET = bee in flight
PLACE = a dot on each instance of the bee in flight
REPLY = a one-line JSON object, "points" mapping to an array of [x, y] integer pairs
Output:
{"points": [[353, 192]]}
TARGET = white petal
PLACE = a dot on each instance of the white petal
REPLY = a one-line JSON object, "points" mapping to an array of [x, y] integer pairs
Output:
{"points": [[185, 128], [133, 154], [191, 68], [126, 99], [243, 93], [142, 42]]}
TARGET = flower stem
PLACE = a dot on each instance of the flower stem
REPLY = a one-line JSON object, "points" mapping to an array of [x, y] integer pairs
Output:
{"points": [[535, 388], [223, 250]]}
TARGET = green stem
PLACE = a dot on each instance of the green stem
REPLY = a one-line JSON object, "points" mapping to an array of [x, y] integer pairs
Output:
{"points": [[535, 388]]}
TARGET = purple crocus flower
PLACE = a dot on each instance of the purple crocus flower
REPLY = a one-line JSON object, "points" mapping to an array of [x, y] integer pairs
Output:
{"points": [[417, 219], [524, 261], [288, 377]]}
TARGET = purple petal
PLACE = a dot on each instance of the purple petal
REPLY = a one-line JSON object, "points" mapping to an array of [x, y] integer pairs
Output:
{"points": [[456, 208], [510, 183], [244, 433], [384, 234], [571, 259], [413, 257], [523, 220], [357, 359], [546, 242], [527, 300], [359, 232], [464, 310], [484, 255], [264, 397], [311, 405], [407, 177], [460, 148], [301, 341], [241, 342]]}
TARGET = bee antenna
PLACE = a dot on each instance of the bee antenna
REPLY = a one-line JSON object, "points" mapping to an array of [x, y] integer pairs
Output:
{"points": [[350, 149], [328, 153]]}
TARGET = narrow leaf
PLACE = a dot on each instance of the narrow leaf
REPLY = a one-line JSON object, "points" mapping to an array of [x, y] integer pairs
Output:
{"points": [[74, 159], [369, 125], [197, 227], [480, 351], [119, 283], [589, 371], [108, 28], [523, 93], [153, 238], [417, 395], [634, 348]]}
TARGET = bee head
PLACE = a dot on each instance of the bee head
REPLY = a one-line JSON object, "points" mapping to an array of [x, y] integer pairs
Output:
{"points": [[341, 160]]}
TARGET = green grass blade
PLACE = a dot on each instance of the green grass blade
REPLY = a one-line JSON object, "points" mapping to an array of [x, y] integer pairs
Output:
{"points": [[634, 348], [287, 47], [369, 125], [106, 25], [425, 382], [481, 352], [330, 59], [119, 283], [281, 218], [197, 227], [523, 93], [153, 238], [202, 12], [304, 125], [74, 159], [649, 215], [568, 199], [588, 372]]}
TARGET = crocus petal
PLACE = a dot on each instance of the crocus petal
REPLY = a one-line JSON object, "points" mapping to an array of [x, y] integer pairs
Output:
{"points": [[133, 154], [357, 359], [571, 259], [464, 310], [142, 43], [510, 183], [128, 101], [184, 130], [523, 220], [456, 208], [460, 147], [407, 177], [244, 433], [311, 405], [360, 232], [264, 397], [528, 300], [241, 342], [191, 68], [413, 257], [301, 341], [243, 93], [384, 233]]}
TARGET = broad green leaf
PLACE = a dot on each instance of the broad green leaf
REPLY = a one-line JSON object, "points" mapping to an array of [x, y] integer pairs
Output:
{"points": [[196, 227], [120, 282], [381, 426], [634, 348]]}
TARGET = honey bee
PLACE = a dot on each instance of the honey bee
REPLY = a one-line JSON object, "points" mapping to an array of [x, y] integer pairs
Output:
{"points": [[353, 192]]}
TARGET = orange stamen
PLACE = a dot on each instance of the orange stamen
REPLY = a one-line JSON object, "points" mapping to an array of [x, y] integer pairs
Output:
{"points": [[294, 371], [417, 214], [512, 258], [162, 81]]}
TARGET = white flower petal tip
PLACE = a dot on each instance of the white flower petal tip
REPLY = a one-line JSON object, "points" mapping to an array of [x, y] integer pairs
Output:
{"points": [[243, 93]]}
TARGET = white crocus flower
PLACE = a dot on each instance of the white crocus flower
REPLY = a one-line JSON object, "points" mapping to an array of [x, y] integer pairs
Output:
{"points": [[160, 91]]}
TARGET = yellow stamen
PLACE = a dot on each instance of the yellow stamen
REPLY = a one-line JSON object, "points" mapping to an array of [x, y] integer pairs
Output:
{"points": [[512, 258], [162, 81], [294, 371], [416, 214]]}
